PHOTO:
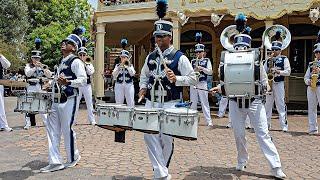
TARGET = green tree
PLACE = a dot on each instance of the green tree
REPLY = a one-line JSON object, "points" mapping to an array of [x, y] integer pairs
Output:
{"points": [[10, 52], [13, 21], [53, 21]]}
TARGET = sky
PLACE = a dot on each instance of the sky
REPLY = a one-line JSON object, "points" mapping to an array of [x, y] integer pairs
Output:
{"points": [[94, 3]]}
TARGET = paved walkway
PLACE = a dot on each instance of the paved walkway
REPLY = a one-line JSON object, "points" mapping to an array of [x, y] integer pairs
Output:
{"points": [[212, 156]]}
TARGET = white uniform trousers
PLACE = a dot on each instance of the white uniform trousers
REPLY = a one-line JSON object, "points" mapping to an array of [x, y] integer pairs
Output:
{"points": [[160, 147], [124, 90], [223, 103], [313, 101], [86, 91], [195, 93], [35, 88], [257, 115], [277, 96], [61, 121], [247, 122], [3, 118]]}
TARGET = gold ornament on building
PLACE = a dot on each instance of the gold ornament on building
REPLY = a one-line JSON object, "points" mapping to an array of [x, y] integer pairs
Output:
{"points": [[314, 14]]}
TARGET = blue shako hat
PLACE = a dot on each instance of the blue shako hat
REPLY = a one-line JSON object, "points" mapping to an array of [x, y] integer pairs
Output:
{"points": [[317, 45], [36, 53], [277, 44], [124, 53], [75, 37], [199, 47], [243, 39], [83, 49], [162, 27]]}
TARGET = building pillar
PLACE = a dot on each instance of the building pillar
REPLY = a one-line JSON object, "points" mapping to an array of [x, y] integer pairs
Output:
{"points": [[176, 33], [99, 61]]}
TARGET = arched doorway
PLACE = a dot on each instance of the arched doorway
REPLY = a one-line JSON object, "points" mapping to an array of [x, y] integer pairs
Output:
{"points": [[188, 42], [187, 47], [300, 54]]}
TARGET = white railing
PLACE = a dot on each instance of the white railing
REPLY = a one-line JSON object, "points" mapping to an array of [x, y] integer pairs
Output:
{"points": [[121, 2]]}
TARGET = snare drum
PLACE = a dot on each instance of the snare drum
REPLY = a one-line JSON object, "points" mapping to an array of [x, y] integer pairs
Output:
{"points": [[181, 123], [147, 119], [122, 117], [34, 102], [106, 113]]}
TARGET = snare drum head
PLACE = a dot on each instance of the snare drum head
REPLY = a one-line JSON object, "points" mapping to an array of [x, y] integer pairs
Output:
{"points": [[181, 111], [109, 105], [123, 108], [144, 109]]}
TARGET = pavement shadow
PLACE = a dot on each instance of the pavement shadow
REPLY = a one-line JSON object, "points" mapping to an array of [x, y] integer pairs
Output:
{"points": [[127, 178], [293, 133], [296, 133], [214, 172], [219, 127], [26, 171]]}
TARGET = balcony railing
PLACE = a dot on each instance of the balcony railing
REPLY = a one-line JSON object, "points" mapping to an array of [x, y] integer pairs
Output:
{"points": [[122, 2]]}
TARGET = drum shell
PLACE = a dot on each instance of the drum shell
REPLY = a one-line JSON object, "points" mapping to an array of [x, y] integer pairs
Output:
{"points": [[34, 102], [147, 120], [105, 113], [122, 116], [239, 74], [181, 124]]}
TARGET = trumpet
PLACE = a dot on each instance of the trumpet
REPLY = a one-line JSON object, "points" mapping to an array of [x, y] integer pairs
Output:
{"points": [[126, 63], [39, 64], [314, 75], [196, 71], [88, 60]]}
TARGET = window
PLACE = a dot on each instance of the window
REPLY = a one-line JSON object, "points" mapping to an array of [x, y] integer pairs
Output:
{"points": [[301, 53], [301, 47]]}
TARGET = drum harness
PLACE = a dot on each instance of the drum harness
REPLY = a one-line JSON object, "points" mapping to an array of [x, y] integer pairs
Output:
{"points": [[161, 91]]}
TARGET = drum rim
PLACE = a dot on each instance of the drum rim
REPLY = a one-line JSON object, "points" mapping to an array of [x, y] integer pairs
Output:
{"points": [[148, 109], [109, 105], [190, 111]]}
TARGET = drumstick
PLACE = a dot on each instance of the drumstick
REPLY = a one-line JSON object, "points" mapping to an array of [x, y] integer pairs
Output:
{"points": [[201, 89], [140, 99]]}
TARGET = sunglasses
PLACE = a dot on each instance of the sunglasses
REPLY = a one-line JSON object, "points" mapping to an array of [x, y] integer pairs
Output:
{"points": [[161, 36], [317, 52], [67, 42]]}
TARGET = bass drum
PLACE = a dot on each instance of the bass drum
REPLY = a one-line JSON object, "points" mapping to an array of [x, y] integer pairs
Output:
{"points": [[239, 72]]}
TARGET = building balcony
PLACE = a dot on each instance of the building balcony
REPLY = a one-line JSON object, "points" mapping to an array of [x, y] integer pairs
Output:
{"points": [[116, 5]]}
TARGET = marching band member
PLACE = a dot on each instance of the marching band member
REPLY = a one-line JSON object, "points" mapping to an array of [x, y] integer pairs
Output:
{"points": [[280, 69], [34, 71], [255, 111], [86, 90], [123, 74], [223, 103], [311, 79], [203, 67], [71, 75], [180, 73], [4, 64]]}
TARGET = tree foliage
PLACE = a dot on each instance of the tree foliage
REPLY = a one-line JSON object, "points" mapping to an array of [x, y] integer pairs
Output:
{"points": [[13, 21], [10, 52], [21, 21], [53, 21]]}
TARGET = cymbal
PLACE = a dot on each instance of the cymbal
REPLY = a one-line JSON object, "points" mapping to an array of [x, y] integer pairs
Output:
{"points": [[12, 83]]}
